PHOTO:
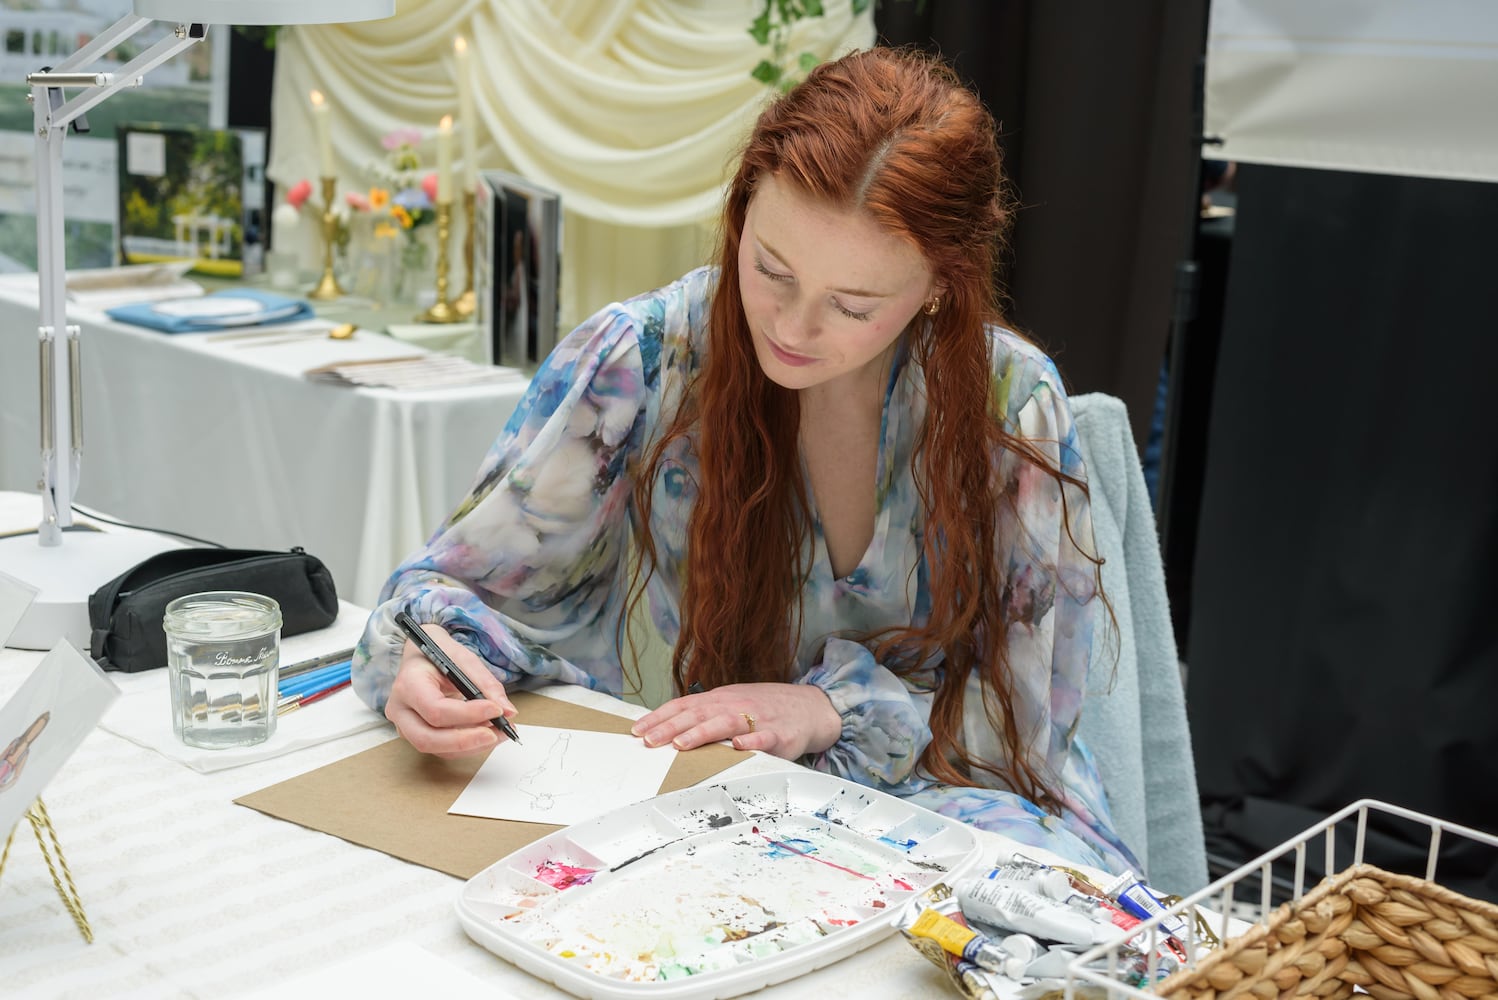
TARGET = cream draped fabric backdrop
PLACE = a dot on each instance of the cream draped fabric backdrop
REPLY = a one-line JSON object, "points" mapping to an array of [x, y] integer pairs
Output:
{"points": [[631, 109]]}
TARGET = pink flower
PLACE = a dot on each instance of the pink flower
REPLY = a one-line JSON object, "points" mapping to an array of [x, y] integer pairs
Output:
{"points": [[299, 193], [400, 137], [357, 201], [429, 185]]}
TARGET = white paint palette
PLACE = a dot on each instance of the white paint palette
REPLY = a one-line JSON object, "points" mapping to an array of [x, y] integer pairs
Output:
{"points": [[715, 890]]}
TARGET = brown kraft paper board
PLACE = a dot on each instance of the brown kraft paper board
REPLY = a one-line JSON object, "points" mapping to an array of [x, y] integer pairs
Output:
{"points": [[395, 799]]}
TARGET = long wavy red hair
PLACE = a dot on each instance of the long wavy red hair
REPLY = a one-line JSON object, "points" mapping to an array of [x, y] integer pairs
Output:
{"points": [[893, 133]]}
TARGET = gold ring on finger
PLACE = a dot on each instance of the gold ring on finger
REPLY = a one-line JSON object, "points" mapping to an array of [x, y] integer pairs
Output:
{"points": [[749, 719]]}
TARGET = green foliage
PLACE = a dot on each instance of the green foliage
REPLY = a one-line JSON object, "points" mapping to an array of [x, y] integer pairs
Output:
{"points": [[772, 27], [141, 216], [265, 34]]}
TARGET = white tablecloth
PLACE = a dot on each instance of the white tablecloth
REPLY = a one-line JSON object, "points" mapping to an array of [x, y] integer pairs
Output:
{"points": [[229, 442], [190, 895]]}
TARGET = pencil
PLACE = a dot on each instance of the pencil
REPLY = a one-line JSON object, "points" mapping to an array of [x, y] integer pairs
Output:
{"points": [[444, 663]]}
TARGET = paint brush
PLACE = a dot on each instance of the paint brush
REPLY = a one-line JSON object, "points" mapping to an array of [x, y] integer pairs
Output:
{"points": [[301, 700], [302, 666]]}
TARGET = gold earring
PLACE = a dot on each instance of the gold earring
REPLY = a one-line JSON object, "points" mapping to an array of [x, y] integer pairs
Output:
{"points": [[933, 305]]}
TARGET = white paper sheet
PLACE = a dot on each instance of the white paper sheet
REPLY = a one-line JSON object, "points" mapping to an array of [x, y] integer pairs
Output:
{"points": [[564, 776], [15, 597], [144, 716]]}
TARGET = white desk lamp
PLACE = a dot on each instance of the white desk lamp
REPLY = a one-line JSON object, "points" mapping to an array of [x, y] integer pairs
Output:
{"points": [[65, 574]]}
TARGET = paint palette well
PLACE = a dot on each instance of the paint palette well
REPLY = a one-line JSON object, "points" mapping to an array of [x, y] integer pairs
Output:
{"points": [[715, 890]]}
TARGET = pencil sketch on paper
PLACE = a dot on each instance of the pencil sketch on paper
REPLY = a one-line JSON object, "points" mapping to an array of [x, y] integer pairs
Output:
{"points": [[552, 777], [563, 776]]}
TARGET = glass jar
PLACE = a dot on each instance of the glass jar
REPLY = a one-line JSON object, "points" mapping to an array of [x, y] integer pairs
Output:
{"points": [[223, 661]]}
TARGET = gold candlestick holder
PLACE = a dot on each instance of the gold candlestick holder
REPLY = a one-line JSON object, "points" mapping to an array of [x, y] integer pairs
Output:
{"points": [[464, 303], [442, 310], [327, 285]]}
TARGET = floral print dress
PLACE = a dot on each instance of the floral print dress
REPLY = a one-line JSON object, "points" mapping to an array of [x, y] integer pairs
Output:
{"points": [[530, 570]]}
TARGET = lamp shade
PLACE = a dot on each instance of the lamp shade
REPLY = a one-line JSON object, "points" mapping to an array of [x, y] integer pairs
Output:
{"points": [[264, 11]]}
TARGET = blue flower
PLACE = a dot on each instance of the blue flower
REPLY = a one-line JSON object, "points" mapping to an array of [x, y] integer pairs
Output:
{"points": [[412, 199]]}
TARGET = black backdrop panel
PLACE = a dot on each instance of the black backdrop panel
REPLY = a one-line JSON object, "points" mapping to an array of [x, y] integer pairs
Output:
{"points": [[1344, 633]]}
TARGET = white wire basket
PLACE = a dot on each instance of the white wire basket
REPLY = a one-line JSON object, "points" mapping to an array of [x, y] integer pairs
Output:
{"points": [[1361, 929]]}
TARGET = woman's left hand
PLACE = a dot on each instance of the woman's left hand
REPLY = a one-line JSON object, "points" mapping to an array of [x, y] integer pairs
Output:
{"points": [[787, 720]]}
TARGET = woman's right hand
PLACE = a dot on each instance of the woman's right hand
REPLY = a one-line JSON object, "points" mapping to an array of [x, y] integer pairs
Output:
{"points": [[431, 714]]}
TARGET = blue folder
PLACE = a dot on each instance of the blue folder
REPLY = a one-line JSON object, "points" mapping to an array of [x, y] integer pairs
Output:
{"points": [[219, 311]]}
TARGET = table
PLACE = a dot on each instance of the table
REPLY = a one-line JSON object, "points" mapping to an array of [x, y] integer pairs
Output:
{"points": [[190, 895], [227, 441]]}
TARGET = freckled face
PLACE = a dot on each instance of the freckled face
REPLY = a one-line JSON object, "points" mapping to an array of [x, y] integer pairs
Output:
{"points": [[826, 291]]}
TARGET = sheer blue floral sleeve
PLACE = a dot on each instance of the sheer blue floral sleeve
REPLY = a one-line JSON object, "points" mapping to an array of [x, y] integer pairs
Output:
{"points": [[886, 725], [525, 571]]}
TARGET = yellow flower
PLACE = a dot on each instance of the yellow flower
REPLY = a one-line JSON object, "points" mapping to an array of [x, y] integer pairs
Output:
{"points": [[378, 198], [402, 216]]}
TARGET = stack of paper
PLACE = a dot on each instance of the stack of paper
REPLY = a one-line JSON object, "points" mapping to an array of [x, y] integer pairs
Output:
{"points": [[105, 288], [422, 371]]}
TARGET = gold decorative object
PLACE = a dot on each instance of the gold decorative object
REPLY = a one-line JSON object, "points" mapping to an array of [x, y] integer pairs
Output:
{"points": [[442, 311], [327, 285], [464, 303], [63, 882]]}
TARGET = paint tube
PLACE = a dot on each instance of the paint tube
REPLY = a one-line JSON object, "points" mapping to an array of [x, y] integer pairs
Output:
{"points": [[1016, 909], [1135, 898], [1023, 947], [964, 942], [1051, 965], [1131, 969], [971, 980], [1031, 876]]}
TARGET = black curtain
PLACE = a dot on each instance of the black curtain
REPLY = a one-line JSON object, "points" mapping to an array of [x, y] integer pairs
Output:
{"points": [[1342, 637], [1094, 100], [251, 68]]}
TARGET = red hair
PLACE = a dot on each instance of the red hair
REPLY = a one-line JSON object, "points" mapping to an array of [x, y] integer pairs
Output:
{"points": [[895, 134]]}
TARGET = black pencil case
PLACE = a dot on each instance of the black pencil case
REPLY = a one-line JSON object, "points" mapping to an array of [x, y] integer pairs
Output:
{"points": [[126, 613]]}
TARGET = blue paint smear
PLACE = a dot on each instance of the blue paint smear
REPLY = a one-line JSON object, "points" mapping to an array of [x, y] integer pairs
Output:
{"points": [[778, 848]]}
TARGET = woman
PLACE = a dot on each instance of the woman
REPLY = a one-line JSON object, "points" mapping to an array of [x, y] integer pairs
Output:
{"points": [[863, 522]]}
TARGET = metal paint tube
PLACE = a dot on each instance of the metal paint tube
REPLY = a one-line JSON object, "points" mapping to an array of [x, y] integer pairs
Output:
{"points": [[1134, 898], [972, 980], [1023, 947], [1016, 909], [1032, 876], [965, 943]]}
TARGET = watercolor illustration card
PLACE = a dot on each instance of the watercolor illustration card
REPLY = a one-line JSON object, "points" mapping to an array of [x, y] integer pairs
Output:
{"points": [[44, 722], [564, 776], [15, 597]]}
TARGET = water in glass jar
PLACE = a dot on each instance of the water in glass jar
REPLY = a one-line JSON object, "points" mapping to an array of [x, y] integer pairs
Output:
{"points": [[223, 657]]}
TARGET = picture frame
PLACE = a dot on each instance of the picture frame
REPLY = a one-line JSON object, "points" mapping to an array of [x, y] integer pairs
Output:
{"points": [[518, 267]]}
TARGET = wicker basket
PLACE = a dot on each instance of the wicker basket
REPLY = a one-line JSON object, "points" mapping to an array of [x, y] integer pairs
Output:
{"points": [[1392, 936]]}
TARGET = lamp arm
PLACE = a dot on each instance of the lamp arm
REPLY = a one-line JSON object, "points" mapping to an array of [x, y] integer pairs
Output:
{"points": [[103, 43], [60, 375]]}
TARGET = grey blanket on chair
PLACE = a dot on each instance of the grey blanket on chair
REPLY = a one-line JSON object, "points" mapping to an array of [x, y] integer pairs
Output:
{"points": [[1136, 725]]}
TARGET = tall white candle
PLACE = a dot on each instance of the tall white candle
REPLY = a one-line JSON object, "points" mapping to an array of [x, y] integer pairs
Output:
{"points": [[284, 222], [445, 160], [468, 122], [322, 127]]}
